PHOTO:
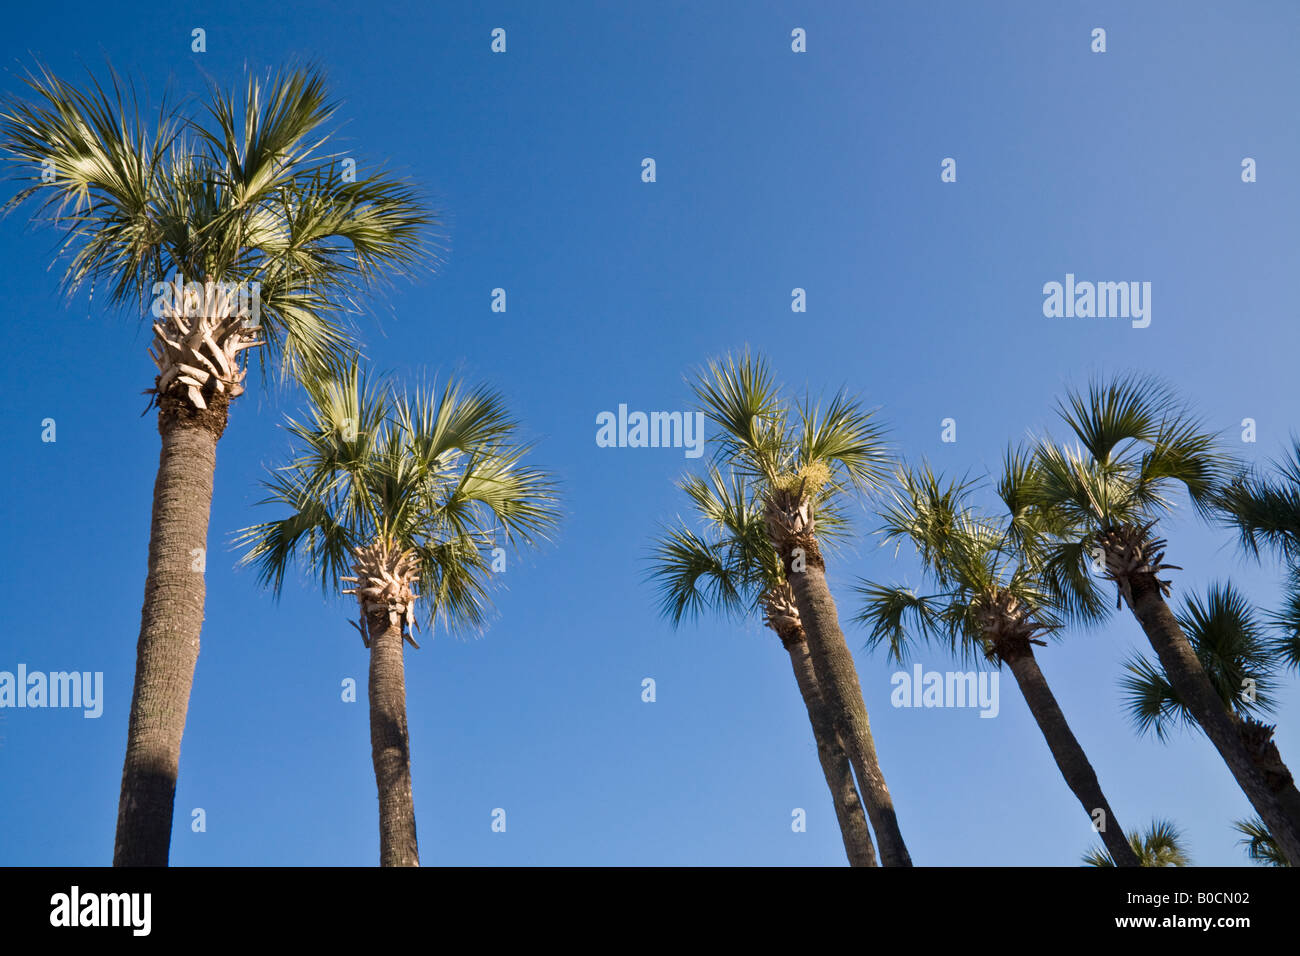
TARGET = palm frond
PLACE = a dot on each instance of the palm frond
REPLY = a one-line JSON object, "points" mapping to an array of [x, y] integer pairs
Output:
{"points": [[740, 396], [1285, 645], [1259, 843], [1265, 509], [846, 438], [694, 576], [1162, 844], [897, 617]]}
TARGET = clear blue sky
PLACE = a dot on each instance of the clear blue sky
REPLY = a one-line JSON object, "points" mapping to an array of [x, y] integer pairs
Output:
{"points": [[775, 170]]}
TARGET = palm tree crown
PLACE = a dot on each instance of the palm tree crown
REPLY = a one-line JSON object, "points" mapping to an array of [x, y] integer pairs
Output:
{"points": [[989, 589], [1136, 445], [242, 193], [435, 477], [802, 456]]}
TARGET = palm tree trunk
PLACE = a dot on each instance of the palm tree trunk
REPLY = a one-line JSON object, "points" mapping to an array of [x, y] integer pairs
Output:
{"points": [[830, 751], [390, 743], [1066, 751], [1188, 678], [168, 645], [838, 679]]}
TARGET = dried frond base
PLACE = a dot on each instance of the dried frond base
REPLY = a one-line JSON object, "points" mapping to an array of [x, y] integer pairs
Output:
{"points": [[781, 614], [1258, 738], [1130, 553], [788, 514], [383, 578], [197, 347], [791, 525], [1008, 627]]}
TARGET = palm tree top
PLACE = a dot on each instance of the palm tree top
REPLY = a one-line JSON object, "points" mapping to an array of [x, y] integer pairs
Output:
{"points": [[241, 193], [788, 444], [1136, 447], [439, 474], [968, 556], [1135, 441]]}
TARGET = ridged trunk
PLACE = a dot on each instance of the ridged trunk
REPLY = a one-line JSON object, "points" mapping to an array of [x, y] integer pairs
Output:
{"points": [[1066, 751], [170, 621], [1188, 678], [830, 752], [838, 679], [390, 743]]}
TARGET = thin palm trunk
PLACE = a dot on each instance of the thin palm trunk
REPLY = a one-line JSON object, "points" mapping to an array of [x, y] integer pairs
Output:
{"points": [[838, 679], [168, 646], [1066, 751], [1188, 678], [830, 751], [390, 743]]}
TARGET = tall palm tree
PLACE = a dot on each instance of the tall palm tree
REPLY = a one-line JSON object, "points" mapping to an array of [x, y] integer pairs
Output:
{"points": [[400, 491], [1161, 845], [244, 235], [989, 601], [1136, 446], [732, 569], [803, 459], [1259, 843]]}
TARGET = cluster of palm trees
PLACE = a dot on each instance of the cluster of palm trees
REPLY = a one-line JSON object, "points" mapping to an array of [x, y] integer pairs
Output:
{"points": [[411, 494], [1066, 523]]}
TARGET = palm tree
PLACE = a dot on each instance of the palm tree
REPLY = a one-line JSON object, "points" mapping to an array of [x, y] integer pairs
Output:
{"points": [[802, 459], [1161, 845], [732, 569], [988, 600], [1136, 445], [400, 491], [246, 236], [1259, 843]]}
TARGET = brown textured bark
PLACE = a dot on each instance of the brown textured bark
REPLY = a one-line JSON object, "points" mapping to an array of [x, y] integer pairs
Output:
{"points": [[1188, 678], [1258, 738], [837, 676], [390, 743], [170, 622], [830, 752], [1066, 751]]}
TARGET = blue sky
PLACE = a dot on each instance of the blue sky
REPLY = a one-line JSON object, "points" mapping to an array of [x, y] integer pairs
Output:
{"points": [[775, 170]]}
